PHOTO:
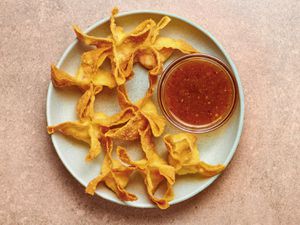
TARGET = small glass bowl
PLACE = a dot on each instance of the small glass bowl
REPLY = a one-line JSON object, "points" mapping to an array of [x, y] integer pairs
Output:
{"points": [[203, 128]]}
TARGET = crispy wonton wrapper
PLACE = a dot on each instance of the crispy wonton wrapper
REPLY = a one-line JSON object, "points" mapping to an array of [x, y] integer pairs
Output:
{"points": [[92, 40], [155, 52], [154, 169], [114, 174], [143, 112], [142, 45], [88, 72], [124, 45], [184, 156], [85, 129]]}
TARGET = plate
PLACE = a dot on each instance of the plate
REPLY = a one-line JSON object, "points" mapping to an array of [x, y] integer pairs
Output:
{"points": [[215, 147]]}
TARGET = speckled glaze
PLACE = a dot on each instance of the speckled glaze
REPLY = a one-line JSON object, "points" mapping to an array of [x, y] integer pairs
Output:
{"points": [[261, 184]]}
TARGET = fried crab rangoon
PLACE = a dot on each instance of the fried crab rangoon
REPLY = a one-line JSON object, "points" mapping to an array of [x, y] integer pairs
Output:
{"points": [[142, 45], [154, 169], [184, 156], [143, 112], [136, 121], [114, 174], [88, 72], [85, 129]]}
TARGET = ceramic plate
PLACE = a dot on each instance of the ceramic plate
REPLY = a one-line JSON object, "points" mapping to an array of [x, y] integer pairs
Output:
{"points": [[215, 147]]}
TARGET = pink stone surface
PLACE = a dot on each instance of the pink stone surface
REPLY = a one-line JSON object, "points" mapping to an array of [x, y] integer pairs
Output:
{"points": [[261, 185]]}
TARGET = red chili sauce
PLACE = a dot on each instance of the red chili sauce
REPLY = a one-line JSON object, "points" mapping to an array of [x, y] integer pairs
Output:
{"points": [[199, 92]]}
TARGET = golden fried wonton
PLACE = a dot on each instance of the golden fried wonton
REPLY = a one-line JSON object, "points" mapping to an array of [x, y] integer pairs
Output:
{"points": [[142, 45], [154, 169], [85, 129], [114, 174], [184, 156], [144, 113], [88, 72]]}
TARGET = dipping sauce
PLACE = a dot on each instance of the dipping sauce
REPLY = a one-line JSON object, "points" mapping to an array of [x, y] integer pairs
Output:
{"points": [[198, 92]]}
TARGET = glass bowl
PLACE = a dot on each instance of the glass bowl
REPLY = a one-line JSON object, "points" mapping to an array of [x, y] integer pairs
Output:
{"points": [[181, 124]]}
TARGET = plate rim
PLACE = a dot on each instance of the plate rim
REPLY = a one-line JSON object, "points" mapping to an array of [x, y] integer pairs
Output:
{"points": [[226, 55]]}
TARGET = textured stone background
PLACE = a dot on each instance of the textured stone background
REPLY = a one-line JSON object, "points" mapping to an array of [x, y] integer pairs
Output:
{"points": [[261, 185]]}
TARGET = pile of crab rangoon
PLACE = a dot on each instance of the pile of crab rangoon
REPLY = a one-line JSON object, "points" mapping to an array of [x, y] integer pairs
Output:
{"points": [[136, 121]]}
